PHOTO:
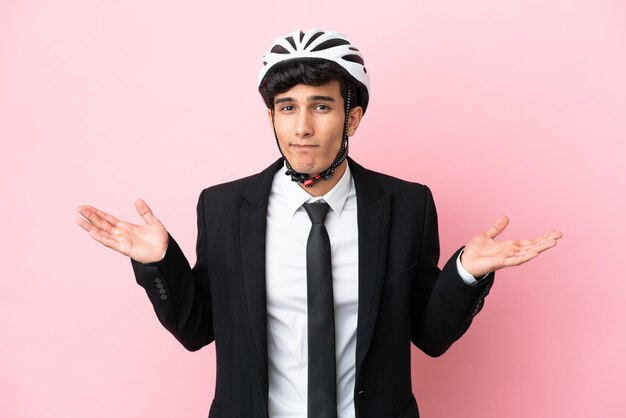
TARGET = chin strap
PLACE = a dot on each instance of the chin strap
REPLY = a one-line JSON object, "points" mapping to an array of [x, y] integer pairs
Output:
{"points": [[305, 179]]}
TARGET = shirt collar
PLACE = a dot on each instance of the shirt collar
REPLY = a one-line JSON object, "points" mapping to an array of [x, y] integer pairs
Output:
{"points": [[295, 196]]}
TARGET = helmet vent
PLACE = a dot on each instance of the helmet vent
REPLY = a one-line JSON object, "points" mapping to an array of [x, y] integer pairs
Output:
{"points": [[330, 44], [354, 58], [291, 41], [279, 49], [314, 37]]}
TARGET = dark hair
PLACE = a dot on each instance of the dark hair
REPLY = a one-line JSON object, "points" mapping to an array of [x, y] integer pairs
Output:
{"points": [[309, 71]]}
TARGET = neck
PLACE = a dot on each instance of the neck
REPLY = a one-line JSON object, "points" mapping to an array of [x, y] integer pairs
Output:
{"points": [[322, 187]]}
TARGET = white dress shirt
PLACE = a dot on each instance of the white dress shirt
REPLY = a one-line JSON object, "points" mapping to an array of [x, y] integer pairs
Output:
{"points": [[288, 228]]}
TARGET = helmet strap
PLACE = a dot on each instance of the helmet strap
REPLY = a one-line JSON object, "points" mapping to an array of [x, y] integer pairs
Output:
{"points": [[305, 179]]}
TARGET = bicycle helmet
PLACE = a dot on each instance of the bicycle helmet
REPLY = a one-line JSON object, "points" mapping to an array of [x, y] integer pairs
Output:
{"points": [[320, 44]]}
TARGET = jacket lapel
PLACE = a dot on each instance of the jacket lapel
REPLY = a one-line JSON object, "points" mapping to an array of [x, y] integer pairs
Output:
{"points": [[252, 231], [373, 223]]}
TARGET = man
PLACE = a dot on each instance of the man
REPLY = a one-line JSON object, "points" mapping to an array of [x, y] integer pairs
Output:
{"points": [[313, 284]]}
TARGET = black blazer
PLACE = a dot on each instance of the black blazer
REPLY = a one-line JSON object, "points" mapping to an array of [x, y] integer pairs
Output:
{"points": [[403, 296]]}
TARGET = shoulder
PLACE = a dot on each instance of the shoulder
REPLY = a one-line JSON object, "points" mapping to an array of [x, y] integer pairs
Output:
{"points": [[388, 183], [250, 187]]}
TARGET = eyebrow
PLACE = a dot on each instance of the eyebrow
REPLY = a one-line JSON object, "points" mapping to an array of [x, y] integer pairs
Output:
{"points": [[310, 99]]}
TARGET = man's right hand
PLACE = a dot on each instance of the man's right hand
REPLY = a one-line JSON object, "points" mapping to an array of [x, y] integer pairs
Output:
{"points": [[143, 243]]}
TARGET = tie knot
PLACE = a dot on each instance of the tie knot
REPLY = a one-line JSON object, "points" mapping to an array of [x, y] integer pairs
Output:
{"points": [[317, 211]]}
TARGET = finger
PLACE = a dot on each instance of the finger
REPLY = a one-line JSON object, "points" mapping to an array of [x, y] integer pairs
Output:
{"points": [[107, 217], [98, 235], [520, 258], [538, 244], [144, 211], [85, 224], [550, 235], [527, 245], [92, 229], [553, 234], [497, 228], [85, 210], [91, 214], [545, 245]]}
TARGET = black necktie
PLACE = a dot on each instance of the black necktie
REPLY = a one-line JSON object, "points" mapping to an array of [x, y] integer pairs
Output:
{"points": [[322, 387]]}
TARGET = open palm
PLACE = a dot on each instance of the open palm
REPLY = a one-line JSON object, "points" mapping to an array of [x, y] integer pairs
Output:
{"points": [[483, 254], [143, 243]]}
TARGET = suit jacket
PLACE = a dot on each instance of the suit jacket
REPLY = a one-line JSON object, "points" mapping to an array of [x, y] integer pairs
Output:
{"points": [[403, 296]]}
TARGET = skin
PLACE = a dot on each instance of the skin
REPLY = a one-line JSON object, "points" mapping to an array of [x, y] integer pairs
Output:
{"points": [[309, 124]]}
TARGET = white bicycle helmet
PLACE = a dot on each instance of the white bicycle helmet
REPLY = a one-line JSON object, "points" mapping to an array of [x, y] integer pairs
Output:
{"points": [[320, 44]]}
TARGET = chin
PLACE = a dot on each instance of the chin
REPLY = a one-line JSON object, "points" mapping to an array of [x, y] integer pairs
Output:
{"points": [[305, 168]]}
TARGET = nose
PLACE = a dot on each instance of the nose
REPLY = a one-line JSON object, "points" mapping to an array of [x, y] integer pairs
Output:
{"points": [[304, 126]]}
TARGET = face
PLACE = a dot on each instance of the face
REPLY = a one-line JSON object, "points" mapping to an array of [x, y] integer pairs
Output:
{"points": [[309, 122]]}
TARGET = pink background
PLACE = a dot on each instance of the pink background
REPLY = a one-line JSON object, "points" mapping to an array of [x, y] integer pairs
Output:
{"points": [[513, 107]]}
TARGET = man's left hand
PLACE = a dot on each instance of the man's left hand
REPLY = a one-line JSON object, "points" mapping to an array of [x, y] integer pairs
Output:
{"points": [[483, 254]]}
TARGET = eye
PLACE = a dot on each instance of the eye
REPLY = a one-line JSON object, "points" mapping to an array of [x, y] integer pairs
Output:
{"points": [[287, 108], [322, 107]]}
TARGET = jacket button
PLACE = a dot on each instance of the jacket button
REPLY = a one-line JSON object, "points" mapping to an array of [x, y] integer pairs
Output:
{"points": [[163, 297], [158, 280]]}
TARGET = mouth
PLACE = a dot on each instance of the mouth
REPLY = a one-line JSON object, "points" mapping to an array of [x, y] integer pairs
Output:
{"points": [[303, 145]]}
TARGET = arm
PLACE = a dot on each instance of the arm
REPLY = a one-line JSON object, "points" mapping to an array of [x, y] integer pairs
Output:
{"points": [[180, 295], [443, 304]]}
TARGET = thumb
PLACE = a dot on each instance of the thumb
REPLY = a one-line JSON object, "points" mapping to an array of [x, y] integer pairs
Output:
{"points": [[497, 227], [144, 210]]}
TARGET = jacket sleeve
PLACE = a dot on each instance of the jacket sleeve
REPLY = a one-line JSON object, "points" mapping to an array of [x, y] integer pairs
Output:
{"points": [[180, 295], [443, 304]]}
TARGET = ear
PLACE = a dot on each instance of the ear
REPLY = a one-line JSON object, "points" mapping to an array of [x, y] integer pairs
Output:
{"points": [[354, 119], [269, 117]]}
